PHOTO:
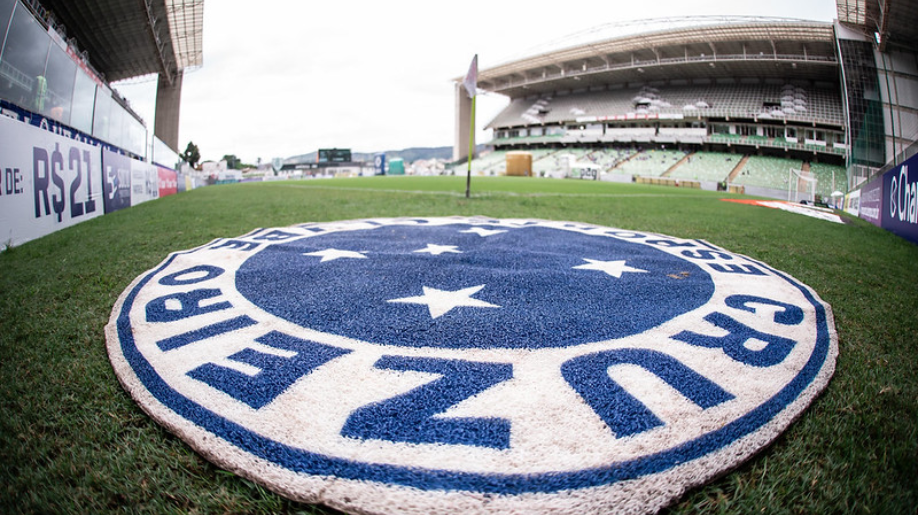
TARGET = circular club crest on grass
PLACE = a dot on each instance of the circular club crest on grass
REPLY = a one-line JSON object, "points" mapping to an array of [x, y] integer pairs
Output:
{"points": [[470, 364]]}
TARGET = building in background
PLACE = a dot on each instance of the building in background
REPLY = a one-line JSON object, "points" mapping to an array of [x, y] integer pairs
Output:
{"points": [[841, 93]]}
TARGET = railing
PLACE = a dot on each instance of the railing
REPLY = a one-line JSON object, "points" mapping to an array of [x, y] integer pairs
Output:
{"points": [[778, 142], [729, 139]]}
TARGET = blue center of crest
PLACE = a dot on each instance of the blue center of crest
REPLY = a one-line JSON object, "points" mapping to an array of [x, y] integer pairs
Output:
{"points": [[464, 286]]}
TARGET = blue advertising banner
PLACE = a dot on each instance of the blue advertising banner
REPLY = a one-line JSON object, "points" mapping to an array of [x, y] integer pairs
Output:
{"points": [[870, 207], [889, 201], [899, 217], [116, 181], [379, 164]]}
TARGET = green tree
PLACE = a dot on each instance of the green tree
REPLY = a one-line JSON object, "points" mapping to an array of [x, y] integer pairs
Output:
{"points": [[191, 155], [233, 162]]}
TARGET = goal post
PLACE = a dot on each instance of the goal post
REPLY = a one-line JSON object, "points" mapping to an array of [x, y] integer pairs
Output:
{"points": [[801, 186]]}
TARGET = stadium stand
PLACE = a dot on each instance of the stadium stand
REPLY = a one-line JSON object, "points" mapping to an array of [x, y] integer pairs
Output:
{"points": [[720, 99], [760, 174], [651, 163], [551, 162], [731, 87], [728, 100], [555, 163], [766, 172], [541, 158], [548, 165], [707, 166], [608, 158], [489, 164], [830, 178]]}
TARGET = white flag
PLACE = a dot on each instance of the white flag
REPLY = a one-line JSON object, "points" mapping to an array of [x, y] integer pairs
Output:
{"points": [[472, 76]]}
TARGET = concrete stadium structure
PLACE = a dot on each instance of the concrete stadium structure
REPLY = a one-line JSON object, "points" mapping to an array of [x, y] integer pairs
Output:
{"points": [[841, 93], [72, 147]]}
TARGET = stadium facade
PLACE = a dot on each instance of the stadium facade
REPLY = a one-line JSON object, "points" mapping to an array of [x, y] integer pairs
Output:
{"points": [[58, 58], [71, 147], [841, 93]]}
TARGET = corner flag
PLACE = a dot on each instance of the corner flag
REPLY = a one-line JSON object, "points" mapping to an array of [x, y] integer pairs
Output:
{"points": [[471, 76], [470, 84]]}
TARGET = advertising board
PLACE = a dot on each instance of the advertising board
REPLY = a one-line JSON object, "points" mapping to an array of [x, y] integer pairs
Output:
{"points": [[889, 201], [47, 182]]}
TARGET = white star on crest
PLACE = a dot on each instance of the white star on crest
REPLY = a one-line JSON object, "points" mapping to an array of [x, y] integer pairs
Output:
{"points": [[440, 302], [481, 231], [613, 268], [436, 250], [333, 254]]}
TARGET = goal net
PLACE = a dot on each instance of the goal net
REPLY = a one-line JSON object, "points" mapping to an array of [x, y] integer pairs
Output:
{"points": [[801, 186]]}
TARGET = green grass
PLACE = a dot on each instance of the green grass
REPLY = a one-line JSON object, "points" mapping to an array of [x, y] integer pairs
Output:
{"points": [[72, 441]]}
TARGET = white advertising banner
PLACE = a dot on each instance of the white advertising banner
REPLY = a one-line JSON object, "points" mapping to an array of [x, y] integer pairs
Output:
{"points": [[47, 182], [852, 202], [145, 182]]}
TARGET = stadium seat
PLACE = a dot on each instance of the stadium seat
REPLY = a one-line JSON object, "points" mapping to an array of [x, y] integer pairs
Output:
{"points": [[826, 174], [737, 100], [707, 166], [767, 172], [651, 163]]}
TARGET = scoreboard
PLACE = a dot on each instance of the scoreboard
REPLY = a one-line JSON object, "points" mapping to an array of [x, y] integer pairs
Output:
{"points": [[334, 155]]}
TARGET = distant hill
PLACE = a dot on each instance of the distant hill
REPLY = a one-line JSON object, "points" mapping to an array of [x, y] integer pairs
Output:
{"points": [[408, 154]]}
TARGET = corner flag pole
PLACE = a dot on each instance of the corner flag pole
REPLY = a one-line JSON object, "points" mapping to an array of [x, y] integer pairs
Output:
{"points": [[470, 84], [471, 147]]}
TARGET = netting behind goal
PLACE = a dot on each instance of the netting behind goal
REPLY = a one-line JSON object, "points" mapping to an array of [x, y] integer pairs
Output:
{"points": [[801, 186]]}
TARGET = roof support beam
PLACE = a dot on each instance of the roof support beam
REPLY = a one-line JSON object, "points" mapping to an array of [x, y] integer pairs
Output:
{"points": [[168, 72], [882, 30]]}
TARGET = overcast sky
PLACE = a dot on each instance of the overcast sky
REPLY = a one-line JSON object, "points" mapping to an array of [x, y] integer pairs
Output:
{"points": [[282, 78]]}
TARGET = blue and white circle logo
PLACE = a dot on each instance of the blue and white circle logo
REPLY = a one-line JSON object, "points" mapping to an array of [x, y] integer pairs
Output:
{"points": [[452, 364]]}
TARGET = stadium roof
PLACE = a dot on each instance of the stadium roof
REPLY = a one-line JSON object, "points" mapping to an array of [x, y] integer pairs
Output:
{"points": [[129, 39], [666, 49], [892, 22]]}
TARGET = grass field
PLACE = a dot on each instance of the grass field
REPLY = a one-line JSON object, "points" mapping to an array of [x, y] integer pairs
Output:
{"points": [[72, 441]]}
